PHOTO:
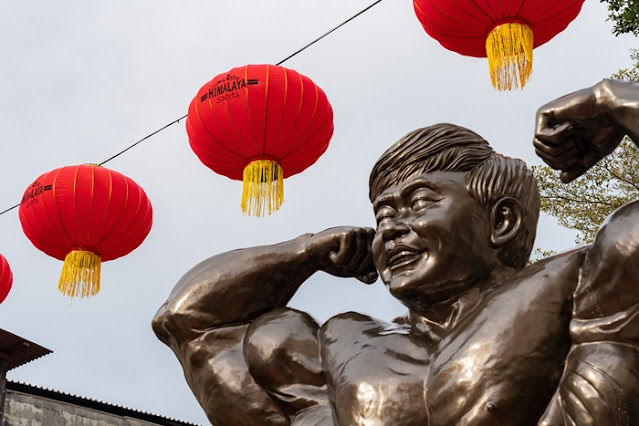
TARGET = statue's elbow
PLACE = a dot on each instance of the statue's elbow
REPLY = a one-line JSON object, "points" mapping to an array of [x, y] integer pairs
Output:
{"points": [[176, 322], [168, 325], [174, 319], [161, 324]]}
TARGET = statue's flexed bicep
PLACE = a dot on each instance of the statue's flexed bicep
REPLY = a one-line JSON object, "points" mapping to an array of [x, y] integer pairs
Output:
{"points": [[217, 373], [600, 383]]}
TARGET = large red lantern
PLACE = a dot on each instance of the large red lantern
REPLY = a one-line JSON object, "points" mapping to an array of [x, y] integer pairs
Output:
{"points": [[503, 31], [6, 278], [260, 124], [84, 215]]}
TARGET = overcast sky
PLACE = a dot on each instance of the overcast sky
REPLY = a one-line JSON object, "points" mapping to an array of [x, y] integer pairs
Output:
{"points": [[82, 80]]}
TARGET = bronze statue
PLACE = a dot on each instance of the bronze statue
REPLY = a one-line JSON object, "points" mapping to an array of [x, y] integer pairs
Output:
{"points": [[487, 340]]}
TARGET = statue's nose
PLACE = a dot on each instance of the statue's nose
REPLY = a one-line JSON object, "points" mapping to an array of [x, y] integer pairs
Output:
{"points": [[394, 228]]}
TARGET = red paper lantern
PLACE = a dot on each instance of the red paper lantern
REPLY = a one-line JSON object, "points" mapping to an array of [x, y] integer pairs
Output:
{"points": [[260, 124], [84, 215], [503, 31], [6, 278]]}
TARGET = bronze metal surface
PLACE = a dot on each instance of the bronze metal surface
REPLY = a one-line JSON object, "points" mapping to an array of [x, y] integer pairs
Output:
{"points": [[487, 340]]}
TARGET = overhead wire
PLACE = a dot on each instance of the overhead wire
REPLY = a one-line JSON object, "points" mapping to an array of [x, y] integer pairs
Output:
{"points": [[166, 126]]}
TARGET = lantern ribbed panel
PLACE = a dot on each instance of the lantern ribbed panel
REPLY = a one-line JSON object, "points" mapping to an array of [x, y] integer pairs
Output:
{"points": [[504, 31], [259, 112], [85, 215], [85, 207], [6, 278], [463, 25]]}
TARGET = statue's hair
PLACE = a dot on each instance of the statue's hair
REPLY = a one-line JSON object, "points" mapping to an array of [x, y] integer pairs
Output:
{"points": [[490, 177]]}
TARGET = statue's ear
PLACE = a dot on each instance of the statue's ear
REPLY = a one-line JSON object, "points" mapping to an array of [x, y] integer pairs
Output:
{"points": [[507, 217]]}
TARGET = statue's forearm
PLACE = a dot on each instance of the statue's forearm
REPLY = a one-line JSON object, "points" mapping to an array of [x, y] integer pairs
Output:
{"points": [[599, 383], [620, 100], [598, 387], [235, 287]]}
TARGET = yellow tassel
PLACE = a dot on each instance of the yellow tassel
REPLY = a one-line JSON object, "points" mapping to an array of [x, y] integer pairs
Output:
{"points": [[509, 50], [80, 275], [263, 190]]}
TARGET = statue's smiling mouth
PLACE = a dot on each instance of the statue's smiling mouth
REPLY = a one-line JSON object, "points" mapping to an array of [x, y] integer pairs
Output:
{"points": [[403, 257]]}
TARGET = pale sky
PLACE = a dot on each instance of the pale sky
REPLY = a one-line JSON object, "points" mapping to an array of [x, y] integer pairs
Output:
{"points": [[84, 79]]}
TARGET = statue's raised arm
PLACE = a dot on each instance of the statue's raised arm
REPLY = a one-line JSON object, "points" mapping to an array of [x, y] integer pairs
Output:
{"points": [[600, 384], [224, 316], [574, 132]]}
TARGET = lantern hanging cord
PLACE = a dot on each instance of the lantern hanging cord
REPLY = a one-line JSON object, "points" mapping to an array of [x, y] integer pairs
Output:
{"points": [[279, 63], [329, 32], [142, 140], [121, 152], [184, 116]]}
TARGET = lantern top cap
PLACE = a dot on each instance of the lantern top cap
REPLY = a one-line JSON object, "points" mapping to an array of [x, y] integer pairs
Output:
{"points": [[508, 20]]}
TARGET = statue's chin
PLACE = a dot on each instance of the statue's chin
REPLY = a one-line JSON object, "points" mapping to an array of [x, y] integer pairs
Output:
{"points": [[407, 277], [403, 287]]}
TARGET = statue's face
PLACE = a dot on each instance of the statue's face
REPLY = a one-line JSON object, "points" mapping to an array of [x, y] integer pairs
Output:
{"points": [[433, 238]]}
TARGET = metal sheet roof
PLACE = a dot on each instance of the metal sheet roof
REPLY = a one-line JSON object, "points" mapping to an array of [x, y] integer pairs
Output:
{"points": [[17, 350], [93, 404]]}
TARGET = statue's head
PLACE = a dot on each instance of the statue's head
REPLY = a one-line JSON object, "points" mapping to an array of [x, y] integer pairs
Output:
{"points": [[449, 211]]}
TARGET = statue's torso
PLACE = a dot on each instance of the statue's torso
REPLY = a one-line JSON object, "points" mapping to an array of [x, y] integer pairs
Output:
{"points": [[500, 364]]}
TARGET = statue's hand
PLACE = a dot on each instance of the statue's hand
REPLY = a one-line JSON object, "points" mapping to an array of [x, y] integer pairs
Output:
{"points": [[344, 252], [576, 131]]}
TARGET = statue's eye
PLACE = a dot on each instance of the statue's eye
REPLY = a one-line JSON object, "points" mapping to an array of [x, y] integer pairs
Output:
{"points": [[423, 197], [384, 214], [420, 203]]}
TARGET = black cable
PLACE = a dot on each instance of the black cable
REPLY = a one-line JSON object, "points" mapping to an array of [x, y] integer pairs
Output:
{"points": [[9, 209], [121, 152], [327, 33], [141, 140], [184, 116]]}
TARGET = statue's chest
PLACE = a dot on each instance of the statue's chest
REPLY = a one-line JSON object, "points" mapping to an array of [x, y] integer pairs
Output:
{"points": [[494, 376], [376, 374], [488, 373]]}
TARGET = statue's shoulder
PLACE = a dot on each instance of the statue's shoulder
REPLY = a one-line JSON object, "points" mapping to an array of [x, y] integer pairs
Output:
{"points": [[561, 260], [620, 233], [561, 270], [540, 294]]}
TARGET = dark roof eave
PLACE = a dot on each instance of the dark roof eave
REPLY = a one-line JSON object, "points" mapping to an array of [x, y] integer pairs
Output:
{"points": [[93, 404], [18, 351]]}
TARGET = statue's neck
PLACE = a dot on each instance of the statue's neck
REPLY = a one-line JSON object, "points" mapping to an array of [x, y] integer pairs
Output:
{"points": [[438, 319]]}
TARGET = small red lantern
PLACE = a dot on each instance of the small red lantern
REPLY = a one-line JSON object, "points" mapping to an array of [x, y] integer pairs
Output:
{"points": [[503, 31], [84, 215], [6, 278], [260, 124]]}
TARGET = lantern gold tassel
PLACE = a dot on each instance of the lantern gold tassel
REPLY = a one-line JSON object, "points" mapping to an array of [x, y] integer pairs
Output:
{"points": [[263, 190], [80, 275], [509, 49]]}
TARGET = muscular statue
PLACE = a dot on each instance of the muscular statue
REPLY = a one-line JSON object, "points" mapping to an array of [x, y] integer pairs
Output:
{"points": [[487, 340]]}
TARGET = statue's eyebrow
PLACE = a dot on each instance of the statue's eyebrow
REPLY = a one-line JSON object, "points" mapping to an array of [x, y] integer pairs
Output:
{"points": [[420, 182], [383, 200]]}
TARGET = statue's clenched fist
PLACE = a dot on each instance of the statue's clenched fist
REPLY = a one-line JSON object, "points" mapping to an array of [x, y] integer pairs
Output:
{"points": [[344, 252]]}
